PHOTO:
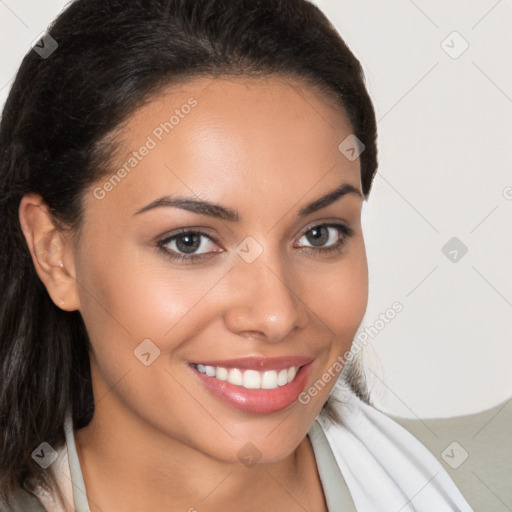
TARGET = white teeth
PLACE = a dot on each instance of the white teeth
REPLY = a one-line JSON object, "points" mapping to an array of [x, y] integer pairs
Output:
{"points": [[235, 377], [269, 380], [282, 377], [221, 373], [251, 379]]}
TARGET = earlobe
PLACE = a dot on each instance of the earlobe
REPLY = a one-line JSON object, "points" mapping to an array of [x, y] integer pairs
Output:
{"points": [[51, 251]]}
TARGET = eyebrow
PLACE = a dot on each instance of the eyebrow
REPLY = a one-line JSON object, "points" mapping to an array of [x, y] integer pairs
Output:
{"points": [[228, 214]]}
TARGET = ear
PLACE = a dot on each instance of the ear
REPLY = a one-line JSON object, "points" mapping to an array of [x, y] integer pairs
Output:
{"points": [[52, 252]]}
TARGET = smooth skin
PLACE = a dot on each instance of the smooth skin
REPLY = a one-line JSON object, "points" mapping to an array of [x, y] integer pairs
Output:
{"points": [[159, 440]]}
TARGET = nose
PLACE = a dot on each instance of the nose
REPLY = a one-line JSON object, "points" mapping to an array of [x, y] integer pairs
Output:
{"points": [[264, 303]]}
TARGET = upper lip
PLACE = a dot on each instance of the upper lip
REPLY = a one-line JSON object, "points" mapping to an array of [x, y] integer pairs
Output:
{"points": [[259, 363]]}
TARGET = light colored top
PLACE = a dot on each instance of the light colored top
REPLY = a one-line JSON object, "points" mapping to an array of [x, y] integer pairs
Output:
{"points": [[368, 464]]}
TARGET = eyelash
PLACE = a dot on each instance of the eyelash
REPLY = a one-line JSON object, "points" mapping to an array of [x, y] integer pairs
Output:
{"points": [[342, 229]]}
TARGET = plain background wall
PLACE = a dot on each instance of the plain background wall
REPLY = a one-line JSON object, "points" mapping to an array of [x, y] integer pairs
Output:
{"points": [[445, 124]]}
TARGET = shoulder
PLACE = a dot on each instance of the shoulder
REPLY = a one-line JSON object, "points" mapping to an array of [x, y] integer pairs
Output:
{"points": [[21, 501]]}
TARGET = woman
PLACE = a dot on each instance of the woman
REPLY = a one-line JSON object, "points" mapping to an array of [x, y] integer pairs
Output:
{"points": [[183, 268]]}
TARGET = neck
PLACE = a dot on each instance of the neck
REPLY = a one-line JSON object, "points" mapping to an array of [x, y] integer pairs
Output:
{"points": [[129, 465]]}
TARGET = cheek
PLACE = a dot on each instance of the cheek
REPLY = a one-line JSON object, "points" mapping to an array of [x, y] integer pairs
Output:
{"points": [[340, 304], [126, 298], [353, 294], [338, 294]]}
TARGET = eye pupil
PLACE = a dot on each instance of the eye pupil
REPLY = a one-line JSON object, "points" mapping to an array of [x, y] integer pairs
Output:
{"points": [[191, 242], [320, 235]]}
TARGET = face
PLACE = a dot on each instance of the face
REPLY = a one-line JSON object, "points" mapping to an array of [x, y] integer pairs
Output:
{"points": [[211, 310]]}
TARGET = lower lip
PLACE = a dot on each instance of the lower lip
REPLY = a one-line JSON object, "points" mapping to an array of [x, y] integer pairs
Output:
{"points": [[258, 401]]}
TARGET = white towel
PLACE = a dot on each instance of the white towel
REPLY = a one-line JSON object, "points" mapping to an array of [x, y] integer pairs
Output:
{"points": [[385, 467]]}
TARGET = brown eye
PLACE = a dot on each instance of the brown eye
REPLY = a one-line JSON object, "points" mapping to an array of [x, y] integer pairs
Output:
{"points": [[183, 246]]}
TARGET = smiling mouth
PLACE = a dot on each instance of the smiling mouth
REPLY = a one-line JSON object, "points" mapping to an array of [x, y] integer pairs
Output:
{"points": [[250, 379], [255, 384]]}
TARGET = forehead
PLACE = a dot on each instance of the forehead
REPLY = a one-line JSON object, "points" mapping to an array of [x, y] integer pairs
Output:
{"points": [[213, 137]]}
